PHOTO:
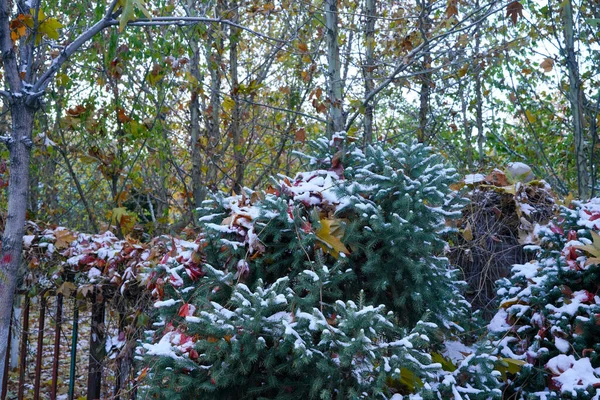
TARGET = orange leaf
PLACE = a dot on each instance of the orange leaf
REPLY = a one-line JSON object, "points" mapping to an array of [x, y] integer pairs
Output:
{"points": [[18, 26], [122, 117], [302, 47], [76, 111], [300, 135]]}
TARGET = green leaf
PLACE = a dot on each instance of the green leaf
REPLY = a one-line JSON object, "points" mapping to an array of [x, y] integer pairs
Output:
{"points": [[128, 13]]}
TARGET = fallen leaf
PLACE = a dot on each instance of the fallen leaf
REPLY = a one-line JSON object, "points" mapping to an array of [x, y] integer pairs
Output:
{"points": [[64, 238]]}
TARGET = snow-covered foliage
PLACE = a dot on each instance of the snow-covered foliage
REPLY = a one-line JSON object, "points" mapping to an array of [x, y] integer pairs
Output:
{"points": [[331, 284], [66, 260], [549, 315]]}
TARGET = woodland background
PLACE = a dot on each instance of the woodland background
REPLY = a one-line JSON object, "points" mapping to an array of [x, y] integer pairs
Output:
{"points": [[142, 122]]}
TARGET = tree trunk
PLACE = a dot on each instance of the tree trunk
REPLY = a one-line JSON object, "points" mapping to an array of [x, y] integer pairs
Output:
{"points": [[369, 67], [576, 100], [212, 113], [12, 239], [479, 99], [335, 120], [235, 127], [423, 133], [197, 184], [198, 187]]}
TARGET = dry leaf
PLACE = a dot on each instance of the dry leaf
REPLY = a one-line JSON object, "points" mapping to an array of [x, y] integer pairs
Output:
{"points": [[547, 64], [514, 10], [64, 238], [468, 232], [66, 289]]}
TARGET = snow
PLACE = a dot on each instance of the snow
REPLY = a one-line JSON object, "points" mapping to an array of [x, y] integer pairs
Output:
{"points": [[166, 303], [562, 345], [456, 351], [93, 274], [573, 374], [471, 179], [27, 241], [498, 323], [163, 347], [526, 271]]}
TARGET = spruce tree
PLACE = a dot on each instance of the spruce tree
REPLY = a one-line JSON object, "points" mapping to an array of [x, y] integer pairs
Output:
{"points": [[549, 315], [328, 285]]}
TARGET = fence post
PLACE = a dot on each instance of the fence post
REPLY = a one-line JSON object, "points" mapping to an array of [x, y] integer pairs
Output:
{"points": [[96, 346], [23, 355], [6, 366], [57, 327], [74, 350], [40, 346]]}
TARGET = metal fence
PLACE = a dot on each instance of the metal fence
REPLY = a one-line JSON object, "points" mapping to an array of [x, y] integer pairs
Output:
{"points": [[71, 347]]}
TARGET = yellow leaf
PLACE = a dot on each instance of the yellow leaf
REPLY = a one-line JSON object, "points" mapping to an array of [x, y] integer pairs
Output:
{"points": [[228, 104], [508, 366], [125, 219], [50, 28], [329, 233], [64, 238], [447, 365], [530, 117], [128, 13], [568, 200], [66, 289], [509, 302], [593, 249], [408, 381]]}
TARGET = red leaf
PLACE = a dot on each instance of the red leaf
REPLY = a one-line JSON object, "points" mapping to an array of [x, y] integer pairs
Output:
{"points": [[194, 272], [557, 229], [184, 310]]}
